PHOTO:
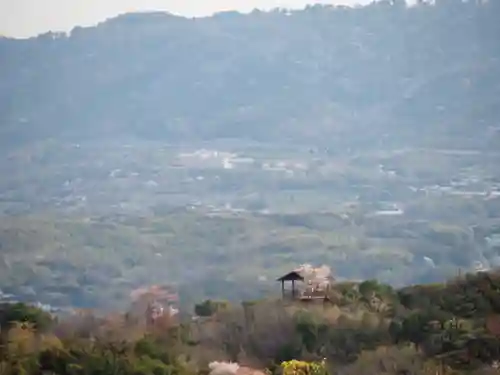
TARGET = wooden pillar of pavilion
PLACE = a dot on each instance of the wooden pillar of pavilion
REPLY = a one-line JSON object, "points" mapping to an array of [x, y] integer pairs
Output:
{"points": [[293, 277]]}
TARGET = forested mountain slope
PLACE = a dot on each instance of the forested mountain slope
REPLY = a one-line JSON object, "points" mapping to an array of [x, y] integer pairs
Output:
{"points": [[318, 74]]}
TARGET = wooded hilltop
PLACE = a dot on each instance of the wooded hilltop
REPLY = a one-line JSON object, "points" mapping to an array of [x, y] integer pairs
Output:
{"points": [[450, 328]]}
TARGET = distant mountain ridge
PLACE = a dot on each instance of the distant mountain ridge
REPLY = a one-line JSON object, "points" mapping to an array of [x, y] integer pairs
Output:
{"points": [[323, 74]]}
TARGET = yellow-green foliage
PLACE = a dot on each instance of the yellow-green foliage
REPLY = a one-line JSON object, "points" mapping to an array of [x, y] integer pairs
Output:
{"points": [[426, 331], [295, 367]]}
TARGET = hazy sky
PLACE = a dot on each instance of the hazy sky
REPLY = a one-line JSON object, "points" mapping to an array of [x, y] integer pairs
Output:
{"points": [[22, 18]]}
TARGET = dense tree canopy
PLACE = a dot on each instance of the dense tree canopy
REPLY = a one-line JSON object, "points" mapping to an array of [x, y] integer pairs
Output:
{"points": [[448, 334]]}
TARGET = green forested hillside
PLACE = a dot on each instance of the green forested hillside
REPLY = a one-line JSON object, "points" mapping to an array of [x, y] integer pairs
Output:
{"points": [[426, 74], [364, 328]]}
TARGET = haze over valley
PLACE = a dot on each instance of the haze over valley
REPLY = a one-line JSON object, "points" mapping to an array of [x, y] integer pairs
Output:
{"points": [[217, 154]]}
